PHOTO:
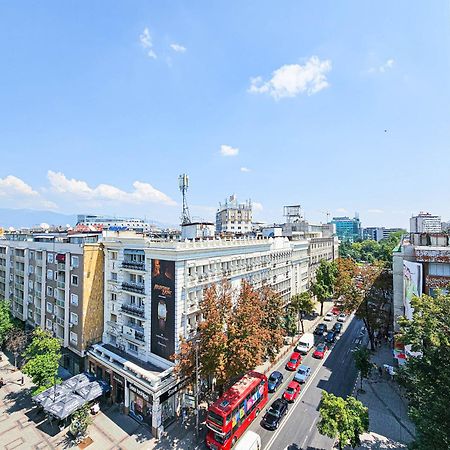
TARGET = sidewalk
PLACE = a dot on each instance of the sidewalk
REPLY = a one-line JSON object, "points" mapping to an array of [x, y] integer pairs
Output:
{"points": [[389, 424]]}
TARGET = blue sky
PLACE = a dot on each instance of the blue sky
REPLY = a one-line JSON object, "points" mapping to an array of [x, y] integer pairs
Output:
{"points": [[103, 104]]}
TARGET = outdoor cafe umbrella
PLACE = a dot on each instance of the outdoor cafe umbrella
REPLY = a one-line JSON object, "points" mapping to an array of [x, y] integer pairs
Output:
{"points": [[66, 406], [78, 381], [93, 390], [50, 395]]}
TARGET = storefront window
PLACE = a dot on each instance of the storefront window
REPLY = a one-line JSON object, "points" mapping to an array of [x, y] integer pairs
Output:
{"points": [[168, 411], [140, 408]]}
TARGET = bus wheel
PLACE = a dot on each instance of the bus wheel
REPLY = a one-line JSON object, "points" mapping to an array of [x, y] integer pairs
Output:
{"points": [[257, 413], [233, 442]]}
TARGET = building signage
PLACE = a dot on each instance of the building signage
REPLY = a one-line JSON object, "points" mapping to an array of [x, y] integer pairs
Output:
{"points": [[163, 308], [173, 390], [139, 392]]}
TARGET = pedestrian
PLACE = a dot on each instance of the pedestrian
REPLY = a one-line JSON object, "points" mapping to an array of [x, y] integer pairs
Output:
{"points": [[2, 383], [22, 381], [380, 371], [183, 415]]}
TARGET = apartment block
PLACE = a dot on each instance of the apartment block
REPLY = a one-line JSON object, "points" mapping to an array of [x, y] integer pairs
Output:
{"points": [[233, 217], [56, 282]]}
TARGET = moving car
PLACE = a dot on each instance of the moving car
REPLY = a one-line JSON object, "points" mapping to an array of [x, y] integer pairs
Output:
{"points": [[342, 317], [337, 328], [302, 374], [329, 317], [275, 379], [273, 416], [294, 361], [321, 328], [331, 337], [305, 343], [292, 391], [249, 441], [320, 351]]}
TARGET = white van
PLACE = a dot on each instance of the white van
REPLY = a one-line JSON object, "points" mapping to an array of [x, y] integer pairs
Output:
{"points": [[305, 344], [249, 441]]}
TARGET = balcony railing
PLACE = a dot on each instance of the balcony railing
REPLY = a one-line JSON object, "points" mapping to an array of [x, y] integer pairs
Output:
{"points": [[139, 336], [138, 288], [135, 265], [38, 278], [61, 284], [133, 309], [61, 266]]}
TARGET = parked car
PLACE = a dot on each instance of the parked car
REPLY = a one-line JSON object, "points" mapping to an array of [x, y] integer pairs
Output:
{"points": [[292, 391], [342, 317], [336, 310], [302, 374], [275, 379], [305, 344], [320, 351], [294, 361], [273, 416], [321, 328], [329, 317], [330, 337], [337, 328]]}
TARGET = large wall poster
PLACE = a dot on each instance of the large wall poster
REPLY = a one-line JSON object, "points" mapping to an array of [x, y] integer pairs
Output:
{"points": [[412, 282]]}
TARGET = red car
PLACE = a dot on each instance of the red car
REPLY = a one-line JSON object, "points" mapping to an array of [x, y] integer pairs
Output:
{"points": [[292, 391], [320, 351], [336, 311], [294, 361]]}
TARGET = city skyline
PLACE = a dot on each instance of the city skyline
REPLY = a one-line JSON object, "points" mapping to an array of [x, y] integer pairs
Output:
{"points": [[329, 106]]}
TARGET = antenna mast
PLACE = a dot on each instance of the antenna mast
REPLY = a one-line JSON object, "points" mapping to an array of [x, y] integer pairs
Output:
{"points": [[183, 183]]}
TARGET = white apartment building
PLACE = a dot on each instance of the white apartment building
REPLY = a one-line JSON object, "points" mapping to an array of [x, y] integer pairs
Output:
{"points": [[233, 217], [425, 222], [152, 294]]}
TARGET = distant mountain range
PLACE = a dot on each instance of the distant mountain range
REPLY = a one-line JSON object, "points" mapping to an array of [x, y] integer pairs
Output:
{"points": [[24, 218]]}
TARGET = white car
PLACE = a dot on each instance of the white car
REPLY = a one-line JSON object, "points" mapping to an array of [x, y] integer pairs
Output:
{"points": [[329, 317], [342, 317]]}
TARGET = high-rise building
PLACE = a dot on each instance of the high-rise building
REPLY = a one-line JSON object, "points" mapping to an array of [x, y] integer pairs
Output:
{"points": [[347, 229], [233, 217], [56, 282], [379, 233], [425, 222]]}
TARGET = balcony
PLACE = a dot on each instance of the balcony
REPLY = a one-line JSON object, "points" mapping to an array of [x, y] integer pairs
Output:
{"points": [[2, 279], [61, 266], [114, 328], [60, 303], [37, 294], [134, 265], [133, 309], [137, 288], [61, 284], [19, 272], [38, 278]]}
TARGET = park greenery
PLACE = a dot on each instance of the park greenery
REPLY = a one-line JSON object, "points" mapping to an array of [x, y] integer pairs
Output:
{"points": [[426, 376], [369, 251], [239, 330], [42, 359], [343, 419]]}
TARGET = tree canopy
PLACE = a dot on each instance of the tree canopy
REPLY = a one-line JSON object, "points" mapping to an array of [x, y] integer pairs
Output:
{"points": [[362, 362], [303, 304], [324, 282], [427, 377], [6, 321]]}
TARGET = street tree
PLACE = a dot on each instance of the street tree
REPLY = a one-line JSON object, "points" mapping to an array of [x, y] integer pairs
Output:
{"points": [[6, 321], [42, 359], [342, 419], [345, 277], [81, 419], [324, 282], [303, 304], [16, 342], [362, 363], [290, 321], [426, 376]]}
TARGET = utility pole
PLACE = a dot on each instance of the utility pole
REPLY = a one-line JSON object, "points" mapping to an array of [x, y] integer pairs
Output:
{"points": [[196, 392]]}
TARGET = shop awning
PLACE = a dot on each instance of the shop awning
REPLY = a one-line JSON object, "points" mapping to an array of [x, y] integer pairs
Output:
{"points": [[93, 390]]}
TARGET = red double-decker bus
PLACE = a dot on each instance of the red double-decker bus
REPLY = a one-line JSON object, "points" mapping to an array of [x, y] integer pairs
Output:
{"points": [[232, 413]]}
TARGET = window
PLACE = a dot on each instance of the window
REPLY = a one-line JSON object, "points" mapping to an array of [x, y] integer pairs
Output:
{"points": [[30, 284], [49, 274], [73, 338], [49, 307], [75, 280], [74, 299], [48, 324], [114, 276], [49, 257], [55, 275], [113, 296], [49, 291], [74, 261], [74, 318], [30, 269], [132, 348], [31, 254], [113, 255]]}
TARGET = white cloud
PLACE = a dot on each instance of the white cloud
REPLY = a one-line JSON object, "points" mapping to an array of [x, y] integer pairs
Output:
{"points": [[257, 206], [341, 210], [227, 150], [178, 48], [389, 64], [291, 80], [11, 185], [142, 193], [375, 211], [245, 169], [146, 42]]}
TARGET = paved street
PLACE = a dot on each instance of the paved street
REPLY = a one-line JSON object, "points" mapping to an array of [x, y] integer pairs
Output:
{"points": [[336, 373]]}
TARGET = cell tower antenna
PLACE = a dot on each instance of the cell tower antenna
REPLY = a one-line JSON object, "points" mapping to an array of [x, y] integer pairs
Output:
{"points": [[183, 183]]}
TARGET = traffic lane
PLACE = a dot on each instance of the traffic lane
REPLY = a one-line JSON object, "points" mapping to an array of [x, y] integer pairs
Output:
{"points": [[301, 427], [256, 426]]}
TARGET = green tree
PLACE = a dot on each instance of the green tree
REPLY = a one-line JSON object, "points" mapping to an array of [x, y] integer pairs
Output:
{"points": [[426, 376], [42, 359], [343, 419], [6, 321], [362, 363], [81, 419], [16, 342], [323, 285], [303, 304], [290, 321]]}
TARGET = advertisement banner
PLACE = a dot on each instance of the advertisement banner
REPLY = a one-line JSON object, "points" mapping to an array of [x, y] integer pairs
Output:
{"points": [[412, 283], [163, 308]]}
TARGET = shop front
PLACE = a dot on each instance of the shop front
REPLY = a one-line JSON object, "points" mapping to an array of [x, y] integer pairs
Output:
{"points": [[141, 405]]}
